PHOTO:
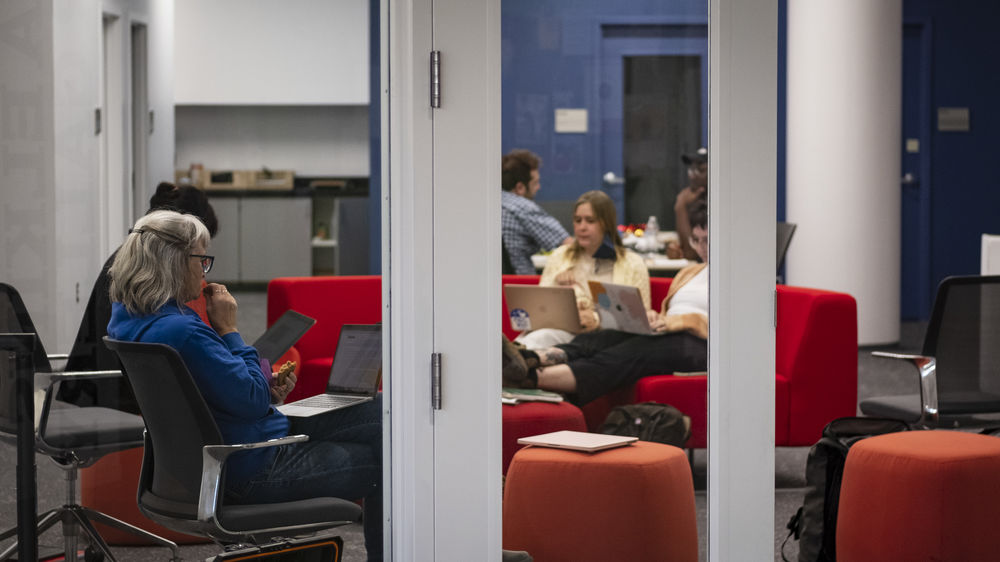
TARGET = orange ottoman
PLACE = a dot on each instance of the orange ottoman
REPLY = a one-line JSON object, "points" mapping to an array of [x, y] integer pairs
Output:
{"points": [[631, 503], [920, 495]]}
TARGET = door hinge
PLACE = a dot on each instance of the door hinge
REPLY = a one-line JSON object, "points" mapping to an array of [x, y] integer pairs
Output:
{"points": [[436, 381], [774, 310], [436, 79]]}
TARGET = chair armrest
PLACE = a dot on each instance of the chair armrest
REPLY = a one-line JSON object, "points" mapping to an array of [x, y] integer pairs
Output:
{"points": [[927, 371], [44, 382], [212, 459]]}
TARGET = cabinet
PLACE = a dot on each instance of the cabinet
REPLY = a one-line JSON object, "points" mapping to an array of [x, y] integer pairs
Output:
{"points": [[340, 246], [261, 237]]}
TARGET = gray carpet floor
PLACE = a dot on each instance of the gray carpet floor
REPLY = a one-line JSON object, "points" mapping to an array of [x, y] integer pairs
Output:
{"points": [[875, 377]]}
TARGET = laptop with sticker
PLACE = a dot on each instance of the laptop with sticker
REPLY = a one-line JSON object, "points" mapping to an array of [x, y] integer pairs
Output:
{"points": [[620, 308], [532, 307], [354, 376]]}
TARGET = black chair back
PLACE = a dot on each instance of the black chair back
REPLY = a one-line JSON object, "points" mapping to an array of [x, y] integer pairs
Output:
{"points": [[14, 318], [963, 335], [178, 423]]}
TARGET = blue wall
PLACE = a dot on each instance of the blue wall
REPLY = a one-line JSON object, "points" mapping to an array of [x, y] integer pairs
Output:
{"points": [[965, 187], [549, 60], [550, 53]]}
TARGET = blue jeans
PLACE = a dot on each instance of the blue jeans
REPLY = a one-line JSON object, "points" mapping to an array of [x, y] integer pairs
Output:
{"points": [[343, 459]]}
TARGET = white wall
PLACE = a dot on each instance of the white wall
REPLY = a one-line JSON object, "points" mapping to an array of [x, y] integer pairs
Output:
{"points": [[311, 140], [267, 52], [27, 195], [50, 80]]}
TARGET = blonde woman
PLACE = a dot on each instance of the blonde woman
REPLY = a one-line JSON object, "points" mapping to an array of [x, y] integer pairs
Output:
{"points": [[596, 254]]}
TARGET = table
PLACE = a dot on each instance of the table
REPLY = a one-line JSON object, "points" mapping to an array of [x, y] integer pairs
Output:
{"points": [[658, 265]]}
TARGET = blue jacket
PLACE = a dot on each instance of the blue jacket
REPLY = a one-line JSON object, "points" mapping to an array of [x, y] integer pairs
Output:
{"points": [[226, 370]]}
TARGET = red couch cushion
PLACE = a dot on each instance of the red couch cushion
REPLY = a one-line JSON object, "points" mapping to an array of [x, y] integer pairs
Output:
{"points": [[333, 301], [534, 418]]}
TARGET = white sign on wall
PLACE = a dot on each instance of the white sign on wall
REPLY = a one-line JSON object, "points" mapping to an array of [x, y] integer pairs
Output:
{"points": [[571, 120]]}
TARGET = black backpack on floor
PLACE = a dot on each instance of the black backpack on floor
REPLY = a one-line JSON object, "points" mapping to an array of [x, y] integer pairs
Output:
{"points": [[814, 525], [649, 421]]}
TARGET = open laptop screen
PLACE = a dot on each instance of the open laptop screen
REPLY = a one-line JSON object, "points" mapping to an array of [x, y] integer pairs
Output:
{"points": [[357, 366]]}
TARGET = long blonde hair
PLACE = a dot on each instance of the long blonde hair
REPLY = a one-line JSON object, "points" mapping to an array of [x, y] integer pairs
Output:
{"points": [[150, 267], [604, 210]]}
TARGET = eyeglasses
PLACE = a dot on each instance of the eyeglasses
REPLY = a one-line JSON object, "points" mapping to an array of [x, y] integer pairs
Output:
{"points": [[206, 262]]}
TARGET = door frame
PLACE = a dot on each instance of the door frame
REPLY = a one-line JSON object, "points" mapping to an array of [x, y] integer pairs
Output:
{"points": [[742, 140], [443, 483], [612, 153]]}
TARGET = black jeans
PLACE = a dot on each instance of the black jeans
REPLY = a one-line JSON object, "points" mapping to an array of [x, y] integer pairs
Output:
{"points": [[607, 359]]}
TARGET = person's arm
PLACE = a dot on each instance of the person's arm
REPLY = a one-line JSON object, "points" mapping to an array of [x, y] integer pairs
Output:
{"points": [[227, 372], [631, 270], [544, 229], [558, 270], [685, 198]]}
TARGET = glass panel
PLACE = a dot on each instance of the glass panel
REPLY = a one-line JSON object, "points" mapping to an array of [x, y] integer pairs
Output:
{"points": [[251, 160], [612, 98]]}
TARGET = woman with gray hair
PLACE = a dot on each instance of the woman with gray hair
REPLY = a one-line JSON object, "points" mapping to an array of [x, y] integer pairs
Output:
{"points": [[161, 265]]}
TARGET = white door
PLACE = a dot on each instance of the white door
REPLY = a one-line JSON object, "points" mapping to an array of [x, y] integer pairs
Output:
{"points": [[441, 210], [443, 293]]}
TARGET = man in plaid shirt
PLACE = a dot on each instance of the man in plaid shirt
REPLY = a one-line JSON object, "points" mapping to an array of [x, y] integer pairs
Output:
{"points": [[525, 227]]}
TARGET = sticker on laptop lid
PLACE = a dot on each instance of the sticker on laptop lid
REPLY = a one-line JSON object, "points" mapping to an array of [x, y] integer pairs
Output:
{"points": [[519, 320]]}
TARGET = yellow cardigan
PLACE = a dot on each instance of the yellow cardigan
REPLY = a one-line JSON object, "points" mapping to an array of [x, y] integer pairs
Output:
{"points": [[629, 270], [695, 323]]}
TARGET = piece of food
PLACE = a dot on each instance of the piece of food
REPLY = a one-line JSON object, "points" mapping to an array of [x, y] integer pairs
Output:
{"points": [[282, 375]]}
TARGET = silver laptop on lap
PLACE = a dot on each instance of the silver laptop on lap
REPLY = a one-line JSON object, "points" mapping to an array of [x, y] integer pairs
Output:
{"points": [[620, 308], [354, 376]]}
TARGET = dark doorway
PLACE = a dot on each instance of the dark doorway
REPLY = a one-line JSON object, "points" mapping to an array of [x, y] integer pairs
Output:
{"points": [[661, 109]]}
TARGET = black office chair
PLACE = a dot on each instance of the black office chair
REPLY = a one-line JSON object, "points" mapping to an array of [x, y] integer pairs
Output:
{"points": [[181, 482], [72, 436], [959, 365]]}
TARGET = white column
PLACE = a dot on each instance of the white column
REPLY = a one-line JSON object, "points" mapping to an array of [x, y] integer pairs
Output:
{"points": [[843, 190]]}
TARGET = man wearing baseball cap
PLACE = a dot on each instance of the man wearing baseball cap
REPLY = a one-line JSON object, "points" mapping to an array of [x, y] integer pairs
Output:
{"points": [[697, 189]]}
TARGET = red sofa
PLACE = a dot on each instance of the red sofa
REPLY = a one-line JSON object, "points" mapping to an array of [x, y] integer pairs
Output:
{"points": [[816, 352], [816, 364]]}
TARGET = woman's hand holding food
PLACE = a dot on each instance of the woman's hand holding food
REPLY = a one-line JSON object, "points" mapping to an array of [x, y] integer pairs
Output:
{"points": [[283, 382]]}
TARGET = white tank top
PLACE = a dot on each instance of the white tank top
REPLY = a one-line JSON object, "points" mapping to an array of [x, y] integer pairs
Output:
{"points": [[692, 297]]}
